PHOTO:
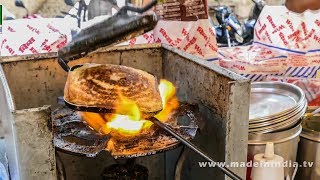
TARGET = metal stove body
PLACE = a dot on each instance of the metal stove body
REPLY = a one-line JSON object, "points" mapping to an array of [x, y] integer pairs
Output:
{"points": [[31, 84]]}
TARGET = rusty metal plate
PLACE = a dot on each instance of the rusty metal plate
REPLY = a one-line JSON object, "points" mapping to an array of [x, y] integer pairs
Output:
{"points": [[72, 134]]}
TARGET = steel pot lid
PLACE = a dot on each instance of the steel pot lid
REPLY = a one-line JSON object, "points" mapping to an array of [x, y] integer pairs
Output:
{"points": [[282, 126], [297, 114], [311, 128], [275, 137], [269, 100], [288, 113]]}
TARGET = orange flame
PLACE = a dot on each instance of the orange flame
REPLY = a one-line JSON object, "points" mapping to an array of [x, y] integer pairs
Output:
{"points": [[132, 123], [169, 100], [96, 121]]}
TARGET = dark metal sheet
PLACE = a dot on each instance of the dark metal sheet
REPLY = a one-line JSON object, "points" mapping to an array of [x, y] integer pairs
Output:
{"points": [[72, 134]]}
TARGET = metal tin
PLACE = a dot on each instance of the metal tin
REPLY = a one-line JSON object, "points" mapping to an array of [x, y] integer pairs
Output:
{"points": [[309, 147], [287, 123], [311, 128], [273, 99], [285, 145], [297, 113], [275, 106]]}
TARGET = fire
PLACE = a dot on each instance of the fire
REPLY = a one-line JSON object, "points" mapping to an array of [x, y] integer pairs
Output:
{"points": [[96, 121], [169, 100], [132, 122]]}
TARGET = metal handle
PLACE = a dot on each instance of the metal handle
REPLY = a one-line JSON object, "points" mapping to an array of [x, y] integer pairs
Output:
{"points": [[118, 28], [64, 64], [167, 128]]}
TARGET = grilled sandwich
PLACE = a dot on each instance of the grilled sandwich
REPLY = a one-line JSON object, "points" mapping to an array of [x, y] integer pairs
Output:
{"points": [[106, 85]]}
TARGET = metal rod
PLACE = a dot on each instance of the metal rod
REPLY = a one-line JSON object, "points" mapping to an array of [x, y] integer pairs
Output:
{"points": [[167, 128]]}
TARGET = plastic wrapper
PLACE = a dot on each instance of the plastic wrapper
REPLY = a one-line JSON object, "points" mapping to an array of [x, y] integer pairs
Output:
{"points": [[33, 36], [279, 28], [254, 61], [290, 40], [184, 24], [295, 35]]}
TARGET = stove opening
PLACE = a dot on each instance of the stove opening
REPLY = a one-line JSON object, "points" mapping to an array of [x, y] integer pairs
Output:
{"points": [[127, 120]]}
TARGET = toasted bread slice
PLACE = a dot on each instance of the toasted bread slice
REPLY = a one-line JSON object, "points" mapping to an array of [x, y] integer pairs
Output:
{"points": [[103, 86]]}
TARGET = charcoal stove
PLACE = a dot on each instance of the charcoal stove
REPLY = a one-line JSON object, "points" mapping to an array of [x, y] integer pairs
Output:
{"points": [[154, 134], [152, 139], [73, 135], [33, 120], [29, 97]]}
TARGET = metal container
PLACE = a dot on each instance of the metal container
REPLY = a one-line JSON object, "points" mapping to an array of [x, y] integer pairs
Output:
{"points": [[264, 96], [285, 145], [275, 106], [309, 149]]}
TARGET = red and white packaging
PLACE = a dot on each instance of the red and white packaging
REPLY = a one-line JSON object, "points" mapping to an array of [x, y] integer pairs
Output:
{"points": [[279, 33], [287, 49], [296, 35], [310, 86], [254, 61], [33, 36], [285, 30], [303, 66], [184, 24]]}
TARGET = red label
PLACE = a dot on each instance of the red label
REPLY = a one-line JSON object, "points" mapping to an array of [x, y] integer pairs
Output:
{"points": [[239, 67], [165, 35], [33, 29], [132, 41], [304, 28], [310, 34], [10, 50], [262, 28], [3, 41], [25, 46], [200, 30], [11, 29], [317, 22], [52, 28], [192, 41], [316, 38], [271, 22], [158, 40], [278, 29], [285, 42], [184, 32], [290, 24], [295, 34], [33, 50], [268, 36], [178, 40], [256, 34], [146, 36], [211, 32], [198, 49], [212, 47]]}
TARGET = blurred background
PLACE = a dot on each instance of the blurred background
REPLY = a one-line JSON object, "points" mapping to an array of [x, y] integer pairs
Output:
{"points": [[52, 8]]}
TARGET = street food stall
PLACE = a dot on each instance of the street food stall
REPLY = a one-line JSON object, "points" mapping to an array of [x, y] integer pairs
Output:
{"points": [[154, 90]]}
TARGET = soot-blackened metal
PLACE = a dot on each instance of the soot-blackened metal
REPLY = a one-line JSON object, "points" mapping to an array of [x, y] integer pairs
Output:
{"points": [[73, 135]]}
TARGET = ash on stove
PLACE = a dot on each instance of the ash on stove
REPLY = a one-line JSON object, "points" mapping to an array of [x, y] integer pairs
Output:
{"points": [[73, 135]]}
